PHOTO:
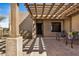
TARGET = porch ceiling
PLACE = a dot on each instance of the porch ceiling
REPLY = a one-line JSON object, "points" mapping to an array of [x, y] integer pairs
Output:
{"points": [[52, 10]]}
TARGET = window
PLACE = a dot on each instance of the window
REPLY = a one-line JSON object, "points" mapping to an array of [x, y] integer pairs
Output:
{"points": [[56, 27]]}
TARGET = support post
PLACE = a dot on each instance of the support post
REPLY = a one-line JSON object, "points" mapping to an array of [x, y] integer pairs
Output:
{"points": [[14, 42], [34, 30]]}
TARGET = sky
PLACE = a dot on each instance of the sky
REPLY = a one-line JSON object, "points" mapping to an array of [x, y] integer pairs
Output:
{"points": [[5, 11]]}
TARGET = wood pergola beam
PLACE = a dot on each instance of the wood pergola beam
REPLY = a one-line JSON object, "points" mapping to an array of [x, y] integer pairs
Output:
{"points": [[61, 10], [73, 11], [46, 6], [50, 10], [42, 10], [67, 10], [61, 4], [27, 5], [35, 9], [64, 8]]}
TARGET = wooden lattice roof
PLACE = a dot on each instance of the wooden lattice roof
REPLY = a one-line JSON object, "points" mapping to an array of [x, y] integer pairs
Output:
{"points": [[52, 10]]}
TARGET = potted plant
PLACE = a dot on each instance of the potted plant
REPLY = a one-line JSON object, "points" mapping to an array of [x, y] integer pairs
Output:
{"points": [[72, 34]]}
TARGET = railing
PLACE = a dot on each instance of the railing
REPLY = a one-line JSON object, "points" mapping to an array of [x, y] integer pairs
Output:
{"points": [[2, 46]]}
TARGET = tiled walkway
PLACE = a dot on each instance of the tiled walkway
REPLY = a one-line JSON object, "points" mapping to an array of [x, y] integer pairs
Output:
{"points": [[34, 47], [59, 48], [47, 46]]}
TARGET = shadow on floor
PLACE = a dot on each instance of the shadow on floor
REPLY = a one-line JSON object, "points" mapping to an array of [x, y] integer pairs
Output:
{"points": [[2, 46], [26, 43], [39, 46]]}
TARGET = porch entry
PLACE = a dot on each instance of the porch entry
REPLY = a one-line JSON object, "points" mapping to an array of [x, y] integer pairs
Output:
{"points": [[39, 29]]}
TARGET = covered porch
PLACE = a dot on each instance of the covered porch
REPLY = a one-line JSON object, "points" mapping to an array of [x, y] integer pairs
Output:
{"points": [[55, 17]]}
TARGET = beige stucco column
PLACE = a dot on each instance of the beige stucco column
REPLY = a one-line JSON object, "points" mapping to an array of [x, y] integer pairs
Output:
{"points": [[1, 32], [14, 43], [34, 29]]}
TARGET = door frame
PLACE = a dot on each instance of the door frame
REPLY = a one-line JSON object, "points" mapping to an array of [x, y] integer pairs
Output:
{"points": [[42, 28]]}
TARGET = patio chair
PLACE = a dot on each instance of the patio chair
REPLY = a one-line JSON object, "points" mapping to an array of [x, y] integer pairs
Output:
{"points": [[69, 38], [60, 34], [72, 39]]}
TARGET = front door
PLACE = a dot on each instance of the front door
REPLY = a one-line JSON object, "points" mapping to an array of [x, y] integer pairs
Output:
{"points": [[39, 29]]}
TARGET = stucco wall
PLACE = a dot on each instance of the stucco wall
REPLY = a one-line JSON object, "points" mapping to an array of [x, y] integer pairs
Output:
{"points": [[22, 16], [67, 24], [75, 23], [26, 24], [47, 27]]}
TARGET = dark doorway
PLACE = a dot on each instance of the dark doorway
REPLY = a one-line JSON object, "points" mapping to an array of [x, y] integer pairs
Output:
{"points": [[39, 29], [56, 26]]}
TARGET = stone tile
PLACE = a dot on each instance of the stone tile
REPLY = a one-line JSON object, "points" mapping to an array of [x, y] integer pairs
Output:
{"points": [[58, 48]]}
